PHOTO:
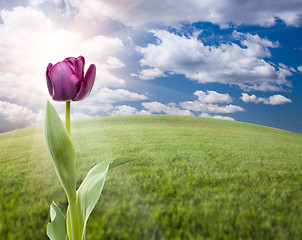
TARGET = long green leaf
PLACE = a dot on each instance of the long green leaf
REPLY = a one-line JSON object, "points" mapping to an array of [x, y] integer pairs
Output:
{"points": [[68, 222], [60, 147], [91, 188], [56, 229], [119, 161]]}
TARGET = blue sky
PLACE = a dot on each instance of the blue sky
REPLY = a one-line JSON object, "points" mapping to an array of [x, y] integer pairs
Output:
{"points": [[234, 60]]}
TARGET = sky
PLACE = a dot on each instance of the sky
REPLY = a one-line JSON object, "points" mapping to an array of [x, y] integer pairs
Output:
{"points": [[237, 60]]}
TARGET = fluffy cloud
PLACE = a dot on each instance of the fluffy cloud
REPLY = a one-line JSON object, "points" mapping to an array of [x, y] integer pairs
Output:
{"points": [[14, 116], [25, 88], [124, 110], [174, 12], [106, 95], [29, 41], [228, 63], [206, 115], [208, 102], [151, 73], [197, 106], [182, 109], [112, 110], [212, 97], [102, 102], [299, 68], [272, 100], [157, 107], [100, 48]]}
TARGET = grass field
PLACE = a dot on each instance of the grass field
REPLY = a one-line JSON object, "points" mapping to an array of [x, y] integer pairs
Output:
{"points": [[195, 178]]}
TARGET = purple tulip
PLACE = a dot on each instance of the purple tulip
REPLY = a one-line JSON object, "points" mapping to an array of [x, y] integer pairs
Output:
{"points": [[66, 81]]}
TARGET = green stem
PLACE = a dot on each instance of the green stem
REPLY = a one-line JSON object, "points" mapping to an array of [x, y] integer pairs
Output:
{"points": [[67, 116], [71, 199], [73, 220]]}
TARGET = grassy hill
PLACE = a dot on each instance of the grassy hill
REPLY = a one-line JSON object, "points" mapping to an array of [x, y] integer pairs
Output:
{"points": [[195, 178]]}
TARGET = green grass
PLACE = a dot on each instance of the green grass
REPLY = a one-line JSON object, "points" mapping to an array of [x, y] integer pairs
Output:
{"points": [[195, 178]]}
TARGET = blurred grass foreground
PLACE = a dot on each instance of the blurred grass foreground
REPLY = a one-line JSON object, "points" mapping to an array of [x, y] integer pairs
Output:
{"points": [[195, 178]]}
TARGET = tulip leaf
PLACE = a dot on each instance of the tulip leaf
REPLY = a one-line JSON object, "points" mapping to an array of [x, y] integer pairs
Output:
{"points": [[91, 188], [68, 222], [119, 161], [56, 229], [60, 147]]}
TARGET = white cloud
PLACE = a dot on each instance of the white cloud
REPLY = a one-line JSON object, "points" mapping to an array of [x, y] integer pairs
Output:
{"points": [[278, 100], [206, 115], [249, 98], [105, 78], [26, 88], [299, 68], [197, 106], [29, 41], [174, 12], [212, 97], [255, 46], [106, 95], [142, 112], [150, 73], [13, 116], [227, 63], [113, 62], [157, 107], [272, 100], [100, 49], [184, 109], [102, 102], [35, 3], [124, 110], [205, 103]]}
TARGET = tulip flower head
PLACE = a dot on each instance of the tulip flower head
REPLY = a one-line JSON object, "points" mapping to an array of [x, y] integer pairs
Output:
{"points": [[66, 80]]}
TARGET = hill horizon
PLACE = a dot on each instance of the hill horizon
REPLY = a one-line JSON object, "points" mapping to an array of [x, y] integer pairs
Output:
{"points": [[83, 119]]}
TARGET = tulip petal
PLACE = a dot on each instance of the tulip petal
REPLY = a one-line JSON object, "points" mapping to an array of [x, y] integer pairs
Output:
{"points": [[77, 65], [49, 84], [64, 82], [87, 84]]}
